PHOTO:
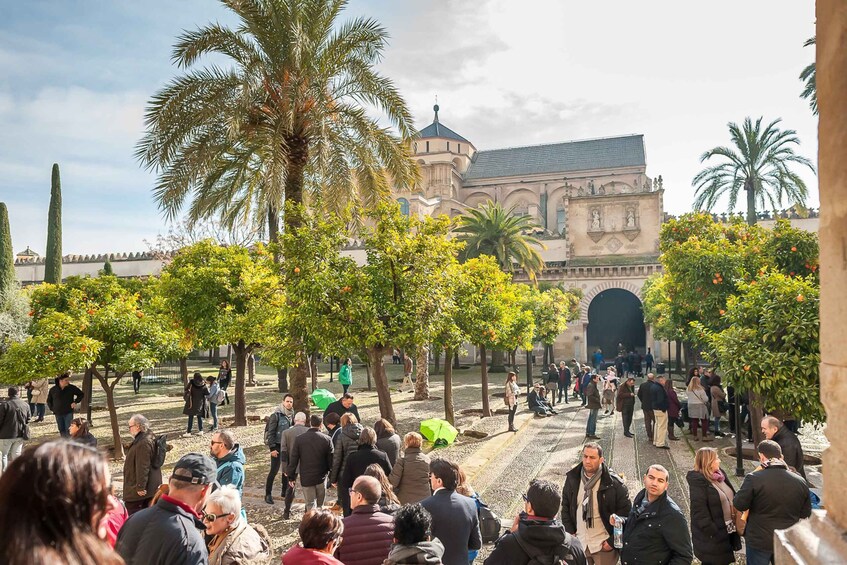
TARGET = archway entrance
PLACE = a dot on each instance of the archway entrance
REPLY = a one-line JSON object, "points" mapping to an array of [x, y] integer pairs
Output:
{"points": [[615, 317]]}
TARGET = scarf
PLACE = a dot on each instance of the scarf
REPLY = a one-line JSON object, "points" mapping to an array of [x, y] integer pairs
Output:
{"points": [[725, 493], [588, 484]]}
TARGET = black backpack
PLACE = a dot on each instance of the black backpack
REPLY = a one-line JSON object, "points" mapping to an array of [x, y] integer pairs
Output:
{"points": [[562, 556], [489, 524], [160, 449]]}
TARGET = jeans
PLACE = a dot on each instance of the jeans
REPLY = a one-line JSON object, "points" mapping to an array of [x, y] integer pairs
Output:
{"points": [[649, 420], [39, 408], [213, 411], [563, 391], [314, 495], [10, 449], [345, 387], [591, 427], [758, 556], [191, 423], [63, 422], [626, 415], [717, 425], [512, 411], [660, 433]]}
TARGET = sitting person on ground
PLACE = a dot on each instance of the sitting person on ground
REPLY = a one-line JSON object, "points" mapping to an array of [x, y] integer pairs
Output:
{"points": [[233, 539], [410, 477], [536, 532], [544, 401], [412, 541], [80, 432], [320, 535], [52, 500], [533, 402], [455, 521], [368, 533], [388, 501]]}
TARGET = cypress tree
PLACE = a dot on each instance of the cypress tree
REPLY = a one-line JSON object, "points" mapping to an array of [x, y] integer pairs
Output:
{"points": [[53, 258], [107, 268], [7, 257]]}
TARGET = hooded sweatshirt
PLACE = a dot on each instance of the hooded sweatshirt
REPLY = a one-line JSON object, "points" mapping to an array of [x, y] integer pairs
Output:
{"points": [[231, 468], [426, 552]]}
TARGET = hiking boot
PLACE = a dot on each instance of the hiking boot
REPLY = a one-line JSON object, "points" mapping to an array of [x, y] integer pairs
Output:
{"points": [[286, 515], [269, 499]]}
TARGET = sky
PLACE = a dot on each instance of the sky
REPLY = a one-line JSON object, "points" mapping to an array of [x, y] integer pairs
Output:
{"points": [[75, 76]]}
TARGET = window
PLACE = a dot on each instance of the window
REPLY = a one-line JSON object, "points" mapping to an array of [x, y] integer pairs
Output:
{"points": [[560, 220], [448, 146], [404, 206], [459, 150], [427, 146]]}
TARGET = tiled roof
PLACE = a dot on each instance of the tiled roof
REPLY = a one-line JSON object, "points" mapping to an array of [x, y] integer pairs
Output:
{"points": [[605, 153], [436, 129]]}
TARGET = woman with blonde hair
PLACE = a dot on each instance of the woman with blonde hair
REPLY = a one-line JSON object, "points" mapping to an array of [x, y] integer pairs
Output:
{"points": [[698, 409], [388, 501], [712, 514], [510, 396], [410, 476]]}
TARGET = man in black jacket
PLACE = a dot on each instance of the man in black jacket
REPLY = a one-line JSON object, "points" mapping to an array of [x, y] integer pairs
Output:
{"points": [[312, 451], [776, 498], [537, 532], [656, 530], [455, 521], [659, 402], [589, 517], [14, 419], [280, 420], [62, 401], [792, 451], [342, 406], [646, 397], [169, 533]]}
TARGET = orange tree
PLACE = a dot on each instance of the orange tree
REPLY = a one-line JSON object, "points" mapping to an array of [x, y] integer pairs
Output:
{"points": [[102, 324]]}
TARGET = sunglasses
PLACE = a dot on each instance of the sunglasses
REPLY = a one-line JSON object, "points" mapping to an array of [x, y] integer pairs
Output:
{"points": [[213, 517]]}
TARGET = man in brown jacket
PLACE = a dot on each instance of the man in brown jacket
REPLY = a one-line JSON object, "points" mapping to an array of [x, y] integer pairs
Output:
{"points": [[368, 533], [141, 480]]}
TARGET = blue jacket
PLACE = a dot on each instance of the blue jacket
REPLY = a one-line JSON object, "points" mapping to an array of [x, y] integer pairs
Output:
{"points": [[231, 469]]}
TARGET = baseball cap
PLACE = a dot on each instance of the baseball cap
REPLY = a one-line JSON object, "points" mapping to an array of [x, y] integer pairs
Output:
{"points": [[201, 470]]}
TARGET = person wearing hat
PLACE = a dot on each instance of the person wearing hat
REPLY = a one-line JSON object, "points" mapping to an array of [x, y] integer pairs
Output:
{"points": [[170, 533]]}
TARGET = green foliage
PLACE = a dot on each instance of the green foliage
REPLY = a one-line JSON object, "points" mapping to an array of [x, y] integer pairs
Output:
{"points": [[107, 269], [769, 344], [14, 321], [491, 230], [7, 255], [760, 162], [551, 309], [792, 251], [53, 256], [809, 78]]}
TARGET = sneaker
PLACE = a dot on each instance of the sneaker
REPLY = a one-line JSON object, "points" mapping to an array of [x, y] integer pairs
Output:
{"points": [[200, 433], [663, 447], [187, 434]]}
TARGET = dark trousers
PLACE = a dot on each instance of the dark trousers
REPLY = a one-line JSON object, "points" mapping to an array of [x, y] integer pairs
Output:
{"points": [[700, 424], [37, 408], [512, 411], [136, 384], [137, 505], [191, 422], [63, 422], [649, 421], [563, 391], [626, 415], [345, 387], [286, 491]]}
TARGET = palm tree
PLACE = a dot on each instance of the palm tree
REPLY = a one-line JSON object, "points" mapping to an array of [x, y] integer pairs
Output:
{"points": [[759, 163], [491, 230], [286, 118], [810, 88]]}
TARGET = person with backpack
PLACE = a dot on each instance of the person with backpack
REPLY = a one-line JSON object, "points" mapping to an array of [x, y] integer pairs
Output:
{"points": [[195, 396], [217, 395], [537, 537], [280, 420], [142, 465]]}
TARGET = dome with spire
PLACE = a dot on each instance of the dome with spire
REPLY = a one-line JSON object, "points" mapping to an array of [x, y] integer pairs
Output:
{"points": [[437, 129]]}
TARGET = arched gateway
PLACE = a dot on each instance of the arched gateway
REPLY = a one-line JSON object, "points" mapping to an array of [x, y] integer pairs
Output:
{"points": [[613, 317]]}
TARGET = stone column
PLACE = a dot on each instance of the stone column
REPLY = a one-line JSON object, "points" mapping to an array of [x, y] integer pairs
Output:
{"points": [[823, 539]]}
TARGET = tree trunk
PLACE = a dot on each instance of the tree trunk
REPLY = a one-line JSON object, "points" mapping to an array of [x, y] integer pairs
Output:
{"points": [[528, 370], [497, 364], [110, 405], [486, 408], [456, 364], [751, 203], [251, 370], [448, 388], [376, 357], [85, 405], [273, 231], [546, 356], [422, 377], [313, 370], [183, 370], [241, 354], [299, 376], [282, 379], [368, 371]]}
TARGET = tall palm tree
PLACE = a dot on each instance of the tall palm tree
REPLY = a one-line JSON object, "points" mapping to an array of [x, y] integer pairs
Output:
{"points": [[759, 163], [491, 230], [286, 117], [808, 76]]}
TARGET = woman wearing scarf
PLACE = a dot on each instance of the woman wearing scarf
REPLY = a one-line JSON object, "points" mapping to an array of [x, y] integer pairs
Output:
{"points": [[712, 515]]}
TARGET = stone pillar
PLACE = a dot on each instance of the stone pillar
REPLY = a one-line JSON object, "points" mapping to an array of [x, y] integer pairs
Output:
{"points": [[823, 539]]}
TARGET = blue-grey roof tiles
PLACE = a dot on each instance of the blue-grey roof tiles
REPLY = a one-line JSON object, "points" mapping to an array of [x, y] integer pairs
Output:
{"points": [[436, 129]]}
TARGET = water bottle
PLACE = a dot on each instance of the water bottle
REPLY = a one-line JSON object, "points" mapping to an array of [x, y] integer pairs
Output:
{"points": [[618, 531]]}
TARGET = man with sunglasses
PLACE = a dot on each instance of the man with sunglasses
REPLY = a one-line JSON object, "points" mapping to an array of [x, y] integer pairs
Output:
{"points": [[169, 533], [537, 534]]}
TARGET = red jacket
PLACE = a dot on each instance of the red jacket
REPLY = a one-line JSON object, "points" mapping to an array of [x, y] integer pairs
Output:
{"points": [[298, 555], [368, 535]]}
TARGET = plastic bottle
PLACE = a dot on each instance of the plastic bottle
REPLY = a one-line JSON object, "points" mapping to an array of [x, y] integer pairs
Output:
{"points": [[618, 531]]}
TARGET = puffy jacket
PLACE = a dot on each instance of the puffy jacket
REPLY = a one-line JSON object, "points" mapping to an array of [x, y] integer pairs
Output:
{"points": [[231, 468], [423, 553], [659, 397], [612, 498], [279, 421], [345, 375], [139, 473], [548, 536], [346, 442], [410, 477], [14, 418], [792, 451], [197, 393], [391, 446], [358, 461], [712, 543], [656, 534], [244, 544], [368, 535], [59, 399], [777, 499], [311, 457], [164, 534], [298, 555]]}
